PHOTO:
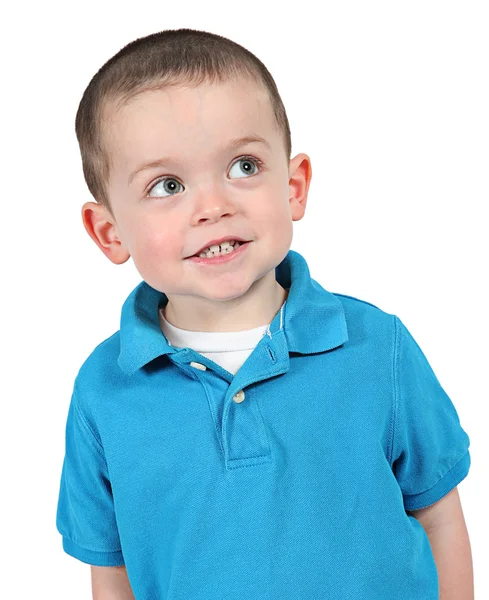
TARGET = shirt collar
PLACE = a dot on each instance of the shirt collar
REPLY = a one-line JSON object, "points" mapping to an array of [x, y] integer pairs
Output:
{"points": [[313, 318]]}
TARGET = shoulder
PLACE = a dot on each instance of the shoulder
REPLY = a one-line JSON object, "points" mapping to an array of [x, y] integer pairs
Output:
{"points": [[366, 320], [100, 370], [103, 356], [352, 300]]}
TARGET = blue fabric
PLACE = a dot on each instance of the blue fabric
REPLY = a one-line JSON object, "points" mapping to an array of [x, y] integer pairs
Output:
{"points": [[300, 491]]}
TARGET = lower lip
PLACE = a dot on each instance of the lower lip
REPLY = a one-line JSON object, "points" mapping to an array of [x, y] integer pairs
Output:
{"points": [[225, 258]]}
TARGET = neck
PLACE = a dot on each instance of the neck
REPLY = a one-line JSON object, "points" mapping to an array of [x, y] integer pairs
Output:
{"points": [[257, 307]]}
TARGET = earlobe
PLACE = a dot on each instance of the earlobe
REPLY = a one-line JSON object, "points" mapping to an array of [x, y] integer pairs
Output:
{"points": [[101, 228]]}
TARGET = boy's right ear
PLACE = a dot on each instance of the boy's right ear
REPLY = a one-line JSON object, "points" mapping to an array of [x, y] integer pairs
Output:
{"points": [[103, 230]]}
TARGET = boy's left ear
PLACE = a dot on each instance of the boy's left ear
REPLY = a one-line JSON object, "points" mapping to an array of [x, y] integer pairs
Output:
{"points": [[103, 230], [300, 174]]}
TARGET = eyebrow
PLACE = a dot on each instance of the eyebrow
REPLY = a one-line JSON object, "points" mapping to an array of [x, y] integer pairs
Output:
{"points": [[160, 162]]}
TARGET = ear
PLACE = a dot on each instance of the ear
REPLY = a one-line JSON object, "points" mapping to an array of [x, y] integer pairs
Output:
{"points": [[300, 173], [101, 227]]}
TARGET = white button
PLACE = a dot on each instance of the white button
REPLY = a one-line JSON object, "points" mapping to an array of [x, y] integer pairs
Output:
{"points": [[239, 397], [198, 366]]}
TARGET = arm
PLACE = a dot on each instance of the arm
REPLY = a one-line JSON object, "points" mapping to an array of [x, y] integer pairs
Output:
{"points": [[445, 526], [110, 583]]}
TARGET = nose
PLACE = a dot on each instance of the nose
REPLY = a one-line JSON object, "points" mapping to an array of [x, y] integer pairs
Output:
{"points": [[212, 206]]}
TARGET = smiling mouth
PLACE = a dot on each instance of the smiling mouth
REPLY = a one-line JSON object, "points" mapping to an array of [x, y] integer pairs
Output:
{"points": [[235, 246]]}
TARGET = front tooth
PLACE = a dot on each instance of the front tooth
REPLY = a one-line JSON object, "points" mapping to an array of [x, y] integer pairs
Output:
{"points": [[225, 247], [216, 248]]}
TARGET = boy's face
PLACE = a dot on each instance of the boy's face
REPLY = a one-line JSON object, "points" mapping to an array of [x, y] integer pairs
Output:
{"points": [[210, 192]]}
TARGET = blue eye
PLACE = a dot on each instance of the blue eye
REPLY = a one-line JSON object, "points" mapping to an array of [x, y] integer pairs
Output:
{"points": [[247, 160], [170, 184]]}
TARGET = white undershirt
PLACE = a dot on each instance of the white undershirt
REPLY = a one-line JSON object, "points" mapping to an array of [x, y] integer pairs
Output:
{"points": [[229, 349]]}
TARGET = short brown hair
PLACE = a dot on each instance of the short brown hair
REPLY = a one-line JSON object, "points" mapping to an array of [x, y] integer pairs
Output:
{"points": [[170, 57]]}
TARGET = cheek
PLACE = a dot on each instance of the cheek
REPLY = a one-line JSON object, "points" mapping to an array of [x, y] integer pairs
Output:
{"points": [[152, 240], [274, 209]]}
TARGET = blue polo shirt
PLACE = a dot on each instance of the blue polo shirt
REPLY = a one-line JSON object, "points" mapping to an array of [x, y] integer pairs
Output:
{"points": [[288, 480]]}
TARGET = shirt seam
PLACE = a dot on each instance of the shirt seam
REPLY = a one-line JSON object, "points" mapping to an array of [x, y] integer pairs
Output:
{"points": [[89, 549], [394, 423], [395, 392], [95, 442], [444, 476]]}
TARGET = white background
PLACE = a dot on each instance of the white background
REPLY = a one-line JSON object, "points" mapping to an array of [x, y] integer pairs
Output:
{"points": [[390, 101]]}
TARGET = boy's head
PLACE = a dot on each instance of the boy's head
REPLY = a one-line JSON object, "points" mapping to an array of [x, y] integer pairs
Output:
{"points": [[185, 96]]}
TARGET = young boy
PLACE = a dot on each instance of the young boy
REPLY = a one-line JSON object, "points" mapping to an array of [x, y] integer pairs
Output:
{"points": [[246, 434]]}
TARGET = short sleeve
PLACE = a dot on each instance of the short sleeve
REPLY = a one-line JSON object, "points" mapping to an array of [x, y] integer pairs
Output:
{"points": [[85, 515], [430, 452]]}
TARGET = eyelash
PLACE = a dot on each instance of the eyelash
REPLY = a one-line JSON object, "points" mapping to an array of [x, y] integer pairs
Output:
{"points": [[257, 161]]}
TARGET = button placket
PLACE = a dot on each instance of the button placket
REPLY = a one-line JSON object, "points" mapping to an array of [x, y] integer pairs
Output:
{"points": [[244, 433]]}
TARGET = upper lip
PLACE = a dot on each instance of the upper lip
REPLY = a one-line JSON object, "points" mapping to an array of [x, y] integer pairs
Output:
{"points": [[218, 241]]}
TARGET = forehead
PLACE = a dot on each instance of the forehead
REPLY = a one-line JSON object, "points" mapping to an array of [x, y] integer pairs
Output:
{"points": [[179, 119]]}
